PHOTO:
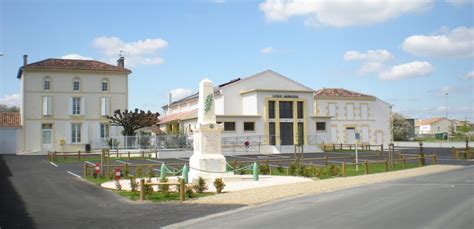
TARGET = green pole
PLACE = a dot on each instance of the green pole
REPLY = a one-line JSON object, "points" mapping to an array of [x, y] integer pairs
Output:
{"points": [[255, 171], [185, 174], [162, 172]]}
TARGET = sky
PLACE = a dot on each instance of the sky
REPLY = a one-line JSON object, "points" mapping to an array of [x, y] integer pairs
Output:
{"points": [[407, 53]]}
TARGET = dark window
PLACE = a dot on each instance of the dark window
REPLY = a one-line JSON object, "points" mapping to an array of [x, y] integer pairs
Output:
{"points": [[105, 86], [300, 109], [229, 126], [300, 133], [249, 126], [286, 109], [320, 126], [271, 130], [271, 109]]}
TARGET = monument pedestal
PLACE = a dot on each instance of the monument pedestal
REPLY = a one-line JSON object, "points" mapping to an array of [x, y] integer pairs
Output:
{"points": [[207, 161]]}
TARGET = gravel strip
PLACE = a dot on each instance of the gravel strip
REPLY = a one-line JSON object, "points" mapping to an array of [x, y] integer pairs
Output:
{"points": [[266, 194]]}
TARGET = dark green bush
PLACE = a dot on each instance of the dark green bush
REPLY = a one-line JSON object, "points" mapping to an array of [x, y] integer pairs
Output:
{"points": [[139, 171], [189, 191], [333, 170], [280, 169], [264, 168]]}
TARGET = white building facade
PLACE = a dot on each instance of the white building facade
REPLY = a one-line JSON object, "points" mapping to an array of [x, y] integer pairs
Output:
{"points": [[353, 112], [65, 103], [280, 111]]}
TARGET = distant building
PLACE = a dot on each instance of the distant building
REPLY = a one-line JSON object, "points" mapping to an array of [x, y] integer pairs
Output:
{"points": [[10, 126], [65, 102], [433, 126]]}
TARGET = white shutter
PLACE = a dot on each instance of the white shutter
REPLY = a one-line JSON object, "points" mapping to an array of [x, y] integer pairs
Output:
{"points": [[50, 106], [107, 106], [67, 132], [45, 106], [83, 106], [69, 107], [84, 133]]}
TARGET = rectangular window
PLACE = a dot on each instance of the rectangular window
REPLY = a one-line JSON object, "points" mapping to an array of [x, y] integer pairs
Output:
{"points": [[320, 126], [364, 115], [104, 130], [332, 110], [76, 106], [249, 126], [75, 132], [47, 85], [286, 109], [105, 86], [271, 132], [271, 109], [47, 133], [76, 86], [350, 111], [300, 109], [229, 126]]}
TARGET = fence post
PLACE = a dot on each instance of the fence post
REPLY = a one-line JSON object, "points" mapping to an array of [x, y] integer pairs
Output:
{"points": [[142, 189], [420, 161], [343, 168], [326, 160], [369, 146], [404, 162], [255, 171], [386, 165], [433, 159], [381, 147], [117, 154], [350, 146], [85, 170], [181, 190], [162, 171], [79, 155], [128, 155], [366, 167]]}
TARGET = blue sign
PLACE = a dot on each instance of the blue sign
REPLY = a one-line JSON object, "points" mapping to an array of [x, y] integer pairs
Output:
{"points": [[357, 135]]}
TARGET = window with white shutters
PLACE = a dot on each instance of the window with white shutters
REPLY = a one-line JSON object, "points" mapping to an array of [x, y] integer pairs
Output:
{"points": [[76, 133]]}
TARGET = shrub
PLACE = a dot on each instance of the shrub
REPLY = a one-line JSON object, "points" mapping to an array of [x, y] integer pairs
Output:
{"points": [[219, 184], [280, 169], [94, 175], [147, 189], [264, 168], [126, 172], [189, 191], [139, 171], [133, 184], [318, 172], [292, 168], [164, 188], [111, 174], [333, 170], [151, 172], [200, 185], [242, 171], [308, 171]]}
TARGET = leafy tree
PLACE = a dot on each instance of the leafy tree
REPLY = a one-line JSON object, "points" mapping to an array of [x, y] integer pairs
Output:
{"points": [[401, 128], [6, 108], [131, 121]]}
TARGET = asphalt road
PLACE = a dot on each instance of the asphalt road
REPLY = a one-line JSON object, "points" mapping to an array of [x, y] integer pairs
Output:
{"points": [[35, 194], [435, 201]]}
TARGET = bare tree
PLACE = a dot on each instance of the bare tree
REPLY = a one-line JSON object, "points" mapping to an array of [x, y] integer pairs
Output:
{"points": [[131, 121]]}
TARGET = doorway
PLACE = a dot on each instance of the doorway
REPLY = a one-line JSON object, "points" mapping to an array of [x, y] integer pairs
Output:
{"points": [[350, 135], [286, 133]]}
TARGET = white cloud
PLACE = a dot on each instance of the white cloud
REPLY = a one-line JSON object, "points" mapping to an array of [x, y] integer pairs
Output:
{"points": [[469, 75], [267, 50], [456, 43], [373, 60], [341, 13], [410, 70], [136, 52], [378, 55], [11, 100], [179, 93], [75, 56], [460, 2]]}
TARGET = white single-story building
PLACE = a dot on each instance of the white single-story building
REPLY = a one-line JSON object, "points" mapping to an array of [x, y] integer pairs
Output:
{"points": [[282, 111]]}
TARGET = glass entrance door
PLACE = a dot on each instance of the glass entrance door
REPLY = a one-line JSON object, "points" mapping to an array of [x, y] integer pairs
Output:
{"points": [[47, 136], [286, 133]]}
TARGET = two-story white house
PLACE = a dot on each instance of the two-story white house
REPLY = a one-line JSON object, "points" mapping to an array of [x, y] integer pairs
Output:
{"points": [[354, 112], [65, 102], [285, 112]]}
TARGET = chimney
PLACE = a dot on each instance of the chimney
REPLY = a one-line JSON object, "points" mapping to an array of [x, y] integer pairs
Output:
{"points": [[25, 60], [121, 62]]}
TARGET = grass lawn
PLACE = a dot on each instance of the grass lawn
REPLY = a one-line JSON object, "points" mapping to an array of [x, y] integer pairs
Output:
{"points": [[97, 181], [159, 196]]}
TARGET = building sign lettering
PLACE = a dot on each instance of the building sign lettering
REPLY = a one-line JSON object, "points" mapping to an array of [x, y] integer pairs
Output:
{"points": [[285, 96]]}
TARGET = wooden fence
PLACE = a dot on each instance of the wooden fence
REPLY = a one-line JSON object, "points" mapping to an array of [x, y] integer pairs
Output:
{"points": [[55, 156], [340, 146]]}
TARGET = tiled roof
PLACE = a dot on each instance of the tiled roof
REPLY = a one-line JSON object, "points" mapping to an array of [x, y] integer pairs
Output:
{"points": [[72, 65], [179, 116], [422, 122], [9, 119], [338, 92]]}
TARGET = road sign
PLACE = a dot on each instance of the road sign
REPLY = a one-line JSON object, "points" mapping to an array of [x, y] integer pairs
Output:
{"points": [[97, 168], [117, 173], [357, 136]]}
